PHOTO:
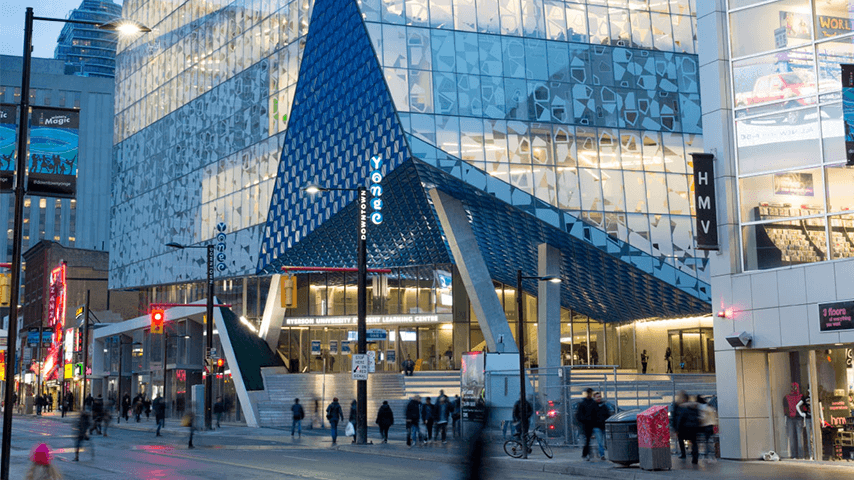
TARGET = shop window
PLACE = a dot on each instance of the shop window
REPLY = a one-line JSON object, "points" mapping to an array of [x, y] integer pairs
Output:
{"points": [[794, 136], [796, 193], [840, 194], [753, 30], [786, 243]]}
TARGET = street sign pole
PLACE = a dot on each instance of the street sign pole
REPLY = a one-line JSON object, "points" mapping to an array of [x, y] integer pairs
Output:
{"points": [[362, 284]]}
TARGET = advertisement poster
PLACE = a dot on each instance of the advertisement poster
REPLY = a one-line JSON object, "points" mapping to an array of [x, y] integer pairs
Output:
{"points": [[8, 145], [799, 184], [315, 347], [345, 348], [848, 110], [836, 316], [473, 386], [391, 356], [333, 347], [54, 138]]}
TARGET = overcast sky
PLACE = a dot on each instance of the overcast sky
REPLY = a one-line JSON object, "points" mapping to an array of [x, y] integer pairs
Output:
{"points": [[12, 14]]}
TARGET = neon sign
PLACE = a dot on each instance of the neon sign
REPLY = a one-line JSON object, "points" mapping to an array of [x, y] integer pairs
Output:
{"points": [[56, 320]]}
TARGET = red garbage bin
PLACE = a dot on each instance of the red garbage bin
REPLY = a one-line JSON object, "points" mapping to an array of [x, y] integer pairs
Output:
{"points": [[654, 439]]}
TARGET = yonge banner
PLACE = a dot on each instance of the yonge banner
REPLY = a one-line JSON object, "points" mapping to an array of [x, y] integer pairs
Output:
{"points": [[8, 144], [54, 139]]}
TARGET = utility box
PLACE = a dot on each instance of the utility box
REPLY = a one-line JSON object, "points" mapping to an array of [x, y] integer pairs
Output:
{"points": [[621, 435], [654, 439]]}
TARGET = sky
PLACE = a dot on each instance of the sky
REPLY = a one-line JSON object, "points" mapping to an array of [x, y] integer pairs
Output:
{"points": [[12, 15]]}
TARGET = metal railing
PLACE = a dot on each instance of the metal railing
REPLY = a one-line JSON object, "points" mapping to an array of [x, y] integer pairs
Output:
{"points": [[556, 392]]}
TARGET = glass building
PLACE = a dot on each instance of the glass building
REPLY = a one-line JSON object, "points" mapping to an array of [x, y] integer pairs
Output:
{"points": [[784, 197], [569, 124], [87, 50]]}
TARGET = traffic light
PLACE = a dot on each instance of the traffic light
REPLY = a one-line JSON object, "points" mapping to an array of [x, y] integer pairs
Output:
{"points": [[5, 289], [289, 291], [220, 363], [157, 317]]}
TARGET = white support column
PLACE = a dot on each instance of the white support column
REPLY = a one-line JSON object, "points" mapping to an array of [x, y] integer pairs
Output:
{"points": [[475, 275], [548, 318], [274, 315]]}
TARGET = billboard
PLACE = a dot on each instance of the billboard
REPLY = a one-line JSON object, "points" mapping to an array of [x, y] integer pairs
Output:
{"points": [[54, 139], [8, 145], [848, 110]]}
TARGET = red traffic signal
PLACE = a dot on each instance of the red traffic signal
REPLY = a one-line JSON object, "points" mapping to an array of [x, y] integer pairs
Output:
{"points": [[157, 318], [220, 362]]}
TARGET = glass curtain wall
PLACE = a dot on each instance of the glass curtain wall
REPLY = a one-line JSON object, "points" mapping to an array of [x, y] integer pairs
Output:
{"points": [[790, 148]]}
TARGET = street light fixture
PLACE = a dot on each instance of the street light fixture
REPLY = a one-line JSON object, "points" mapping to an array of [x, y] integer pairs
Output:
{"points": [[123, 26], [208, 330], [121, 365], [523, 402], [361, 292]]}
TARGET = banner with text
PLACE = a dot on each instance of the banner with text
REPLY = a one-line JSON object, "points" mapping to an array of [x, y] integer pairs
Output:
{"points": [[848, 110], [8, 144], [54, 139], [704, 197]]}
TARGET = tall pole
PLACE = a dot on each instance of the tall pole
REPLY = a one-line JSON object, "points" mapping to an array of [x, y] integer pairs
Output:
{"points": [[523, 403], [165, 350], [119, 394], [85, 346], [20, 172], [362, 284], [209, 346]]}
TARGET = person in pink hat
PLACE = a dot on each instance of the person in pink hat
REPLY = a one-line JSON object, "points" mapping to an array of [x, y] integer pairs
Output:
{"points": [[42, 468]]}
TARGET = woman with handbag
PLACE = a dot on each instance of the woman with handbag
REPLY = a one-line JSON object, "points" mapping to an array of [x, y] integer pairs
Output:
{"points": [[354, 414]]}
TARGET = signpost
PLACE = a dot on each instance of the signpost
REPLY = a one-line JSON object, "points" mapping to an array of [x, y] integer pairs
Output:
{"points": [[360, 366]]}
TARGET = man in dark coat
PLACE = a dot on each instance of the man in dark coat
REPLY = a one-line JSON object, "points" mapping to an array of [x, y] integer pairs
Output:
{"points": [[517, 415], [603, 412], [385, 419], [298, 413], [159, 407], [334, 415], [125, 406], [586, 417], [413, 420]]}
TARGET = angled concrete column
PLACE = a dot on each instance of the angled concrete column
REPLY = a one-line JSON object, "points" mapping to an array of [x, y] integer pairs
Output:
{"points": [[548, 320], [274, 315], [476, 279]]}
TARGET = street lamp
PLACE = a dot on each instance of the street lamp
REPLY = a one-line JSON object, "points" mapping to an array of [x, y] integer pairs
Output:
{"points": [[523, 402], [121, 364], [208, 329], [361, 292], [123, 26]]}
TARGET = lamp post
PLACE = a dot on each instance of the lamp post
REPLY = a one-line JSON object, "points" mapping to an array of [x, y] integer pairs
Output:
{"points": [[123, 26], [362, 308], [208, 330], [523, 401], [121, 371]]}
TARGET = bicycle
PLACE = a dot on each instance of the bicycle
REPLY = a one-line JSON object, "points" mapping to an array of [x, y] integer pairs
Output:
{"points": [[513, 447]]}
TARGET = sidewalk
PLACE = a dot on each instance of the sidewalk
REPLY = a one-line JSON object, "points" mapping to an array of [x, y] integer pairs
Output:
{"points": [[566, 461]]}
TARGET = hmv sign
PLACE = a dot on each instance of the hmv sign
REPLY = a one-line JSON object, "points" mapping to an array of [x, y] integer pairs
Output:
{"points": [[704, 199]]}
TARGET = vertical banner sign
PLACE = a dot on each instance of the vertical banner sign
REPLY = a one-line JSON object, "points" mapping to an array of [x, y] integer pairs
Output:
{"points": [[221, 227], [848, 110], [704, 199], [54, 138], [56, 320], [376, 189], [8, 145]]}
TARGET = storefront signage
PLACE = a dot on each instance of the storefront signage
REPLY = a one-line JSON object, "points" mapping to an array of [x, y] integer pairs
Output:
{"points": [[848, 110], [333, 347], [705, 201], [376, 189], [8, 144], [371, 320], [221, 227], [56, 319], [33, 337], [799, 184], [797, 25], [315, 347], [836, 316], [345, 348], [473, 403], [54, 138]]}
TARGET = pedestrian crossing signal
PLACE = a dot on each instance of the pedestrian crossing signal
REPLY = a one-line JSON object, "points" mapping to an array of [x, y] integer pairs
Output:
{"points": [[157, 317]]}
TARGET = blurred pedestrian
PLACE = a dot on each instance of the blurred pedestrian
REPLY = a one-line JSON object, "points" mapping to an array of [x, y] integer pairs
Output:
{"points": [[708, 421], [38, 402], [49, 403], [385, 419], [334, 415], [189, 421], [146, 406], [159, 406], [689, 424], [519, 417], [408, 366], [456, 415], [644, 361], [298, 413], [443, 414], [477, 446], [427, 418], [354, 418], [413, 420], [125, 406], [97, 415], [217, 410], [675, 411], [42, 468], [586, 417], [603, 412], [84, 421]]}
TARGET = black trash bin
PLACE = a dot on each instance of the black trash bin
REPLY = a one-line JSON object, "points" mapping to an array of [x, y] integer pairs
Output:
{"points": [[621, 435]]}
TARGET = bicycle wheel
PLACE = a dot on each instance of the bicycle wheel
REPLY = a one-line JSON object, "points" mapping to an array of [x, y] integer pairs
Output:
{"points": [[547, 450], [513, 448]]}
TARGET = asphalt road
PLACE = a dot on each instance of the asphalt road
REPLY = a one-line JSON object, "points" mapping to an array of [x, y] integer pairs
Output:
{"points": [[128, 454]]}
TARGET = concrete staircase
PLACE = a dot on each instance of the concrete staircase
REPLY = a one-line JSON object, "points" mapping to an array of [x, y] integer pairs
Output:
{"points": [[428, 384]]}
